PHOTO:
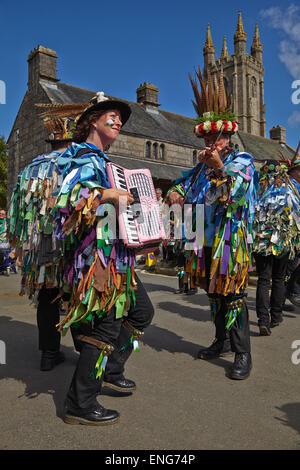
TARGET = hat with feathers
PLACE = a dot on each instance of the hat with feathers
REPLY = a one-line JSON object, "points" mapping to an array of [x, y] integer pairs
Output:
{"points": [[60, 119], [212, 105]]}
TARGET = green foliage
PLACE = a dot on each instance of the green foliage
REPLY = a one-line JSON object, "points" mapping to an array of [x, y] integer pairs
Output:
{"points": [[214, 117], [3, 173]]}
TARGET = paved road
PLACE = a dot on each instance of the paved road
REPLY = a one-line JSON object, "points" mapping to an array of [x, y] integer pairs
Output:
{"points": [[181, 403]]}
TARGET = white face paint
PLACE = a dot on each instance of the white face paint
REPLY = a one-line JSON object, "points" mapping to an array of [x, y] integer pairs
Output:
{"points": [[109, 122]]}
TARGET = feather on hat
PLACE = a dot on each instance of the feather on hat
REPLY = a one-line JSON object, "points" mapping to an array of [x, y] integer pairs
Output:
{"points": [[212, 105]]}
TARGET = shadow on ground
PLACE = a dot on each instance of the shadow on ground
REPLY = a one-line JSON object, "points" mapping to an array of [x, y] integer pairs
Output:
{"points": [[292, 415]]}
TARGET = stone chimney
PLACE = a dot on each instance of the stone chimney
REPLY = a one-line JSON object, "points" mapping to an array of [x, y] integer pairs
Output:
{"points": [[278, 133], [147, 94], [41, 64]]}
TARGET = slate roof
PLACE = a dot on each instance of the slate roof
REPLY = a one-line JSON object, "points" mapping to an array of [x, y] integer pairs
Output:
{"points": [[163, 126], [166, 126], [264, 149]]}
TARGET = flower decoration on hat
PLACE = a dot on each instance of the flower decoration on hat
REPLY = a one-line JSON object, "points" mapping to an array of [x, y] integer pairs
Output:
{"points": [[212, 105], [271, 169]]}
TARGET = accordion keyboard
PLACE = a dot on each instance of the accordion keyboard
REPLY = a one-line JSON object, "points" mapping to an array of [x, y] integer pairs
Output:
{"points": [[142, 220]]}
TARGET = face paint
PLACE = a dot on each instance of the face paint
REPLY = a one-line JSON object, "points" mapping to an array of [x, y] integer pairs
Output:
{"points": [[109, 123]]}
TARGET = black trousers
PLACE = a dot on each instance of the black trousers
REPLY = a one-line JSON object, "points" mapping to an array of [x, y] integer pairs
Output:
{"points": [[47, 319], [270, 268], [48, 316], [293, 285], [239, 337], [84, 387]]}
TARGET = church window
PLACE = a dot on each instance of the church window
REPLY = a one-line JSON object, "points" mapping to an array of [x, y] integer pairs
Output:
{"points": [[253, 87], [154, 153]]}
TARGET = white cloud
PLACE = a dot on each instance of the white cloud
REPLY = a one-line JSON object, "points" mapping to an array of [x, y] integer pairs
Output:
{"points": [[287, 21], [294, 119]]}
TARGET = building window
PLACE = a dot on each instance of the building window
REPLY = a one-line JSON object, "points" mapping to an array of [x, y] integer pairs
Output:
{"points": [[253, 87], [195, 157], [154, 151], [162, 152], [148, 150]]}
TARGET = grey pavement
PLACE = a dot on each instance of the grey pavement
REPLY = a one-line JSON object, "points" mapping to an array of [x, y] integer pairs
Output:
{"points": [[181, 402]]}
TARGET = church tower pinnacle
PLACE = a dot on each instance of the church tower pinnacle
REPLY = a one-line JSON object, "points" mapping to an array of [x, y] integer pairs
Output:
{"points": [[224, 54], [208, 51], [257, 48], [240, 37]]}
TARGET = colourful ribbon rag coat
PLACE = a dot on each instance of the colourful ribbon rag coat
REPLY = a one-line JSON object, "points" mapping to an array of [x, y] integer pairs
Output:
{"points": [[31, 224], [228, 203], [277, 219], [98, 268]]}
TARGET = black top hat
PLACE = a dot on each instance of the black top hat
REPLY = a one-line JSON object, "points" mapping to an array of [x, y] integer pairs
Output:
{"points": [[99, 102]]}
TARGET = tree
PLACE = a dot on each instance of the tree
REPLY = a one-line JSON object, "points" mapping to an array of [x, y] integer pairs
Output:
{"points": [[3, 173]]}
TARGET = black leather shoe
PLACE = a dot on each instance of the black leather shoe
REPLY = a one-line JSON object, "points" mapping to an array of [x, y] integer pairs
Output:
{"points": [[275, 323], [98, 417], [295, 299], [120, 385], [192, 291], [216, 349], [179, 291], [264, 330], [50, 359], [241, 367]]}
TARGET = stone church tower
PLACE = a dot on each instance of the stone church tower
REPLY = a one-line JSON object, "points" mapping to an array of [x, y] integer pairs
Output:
{"points": [[243, 77]]}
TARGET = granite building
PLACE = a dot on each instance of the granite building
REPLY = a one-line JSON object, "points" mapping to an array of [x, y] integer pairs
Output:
{"points": [[152, 138]]}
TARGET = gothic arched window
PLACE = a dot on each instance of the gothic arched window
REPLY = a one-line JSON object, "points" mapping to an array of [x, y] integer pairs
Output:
{"points": [[253, 86], [148, 150]]}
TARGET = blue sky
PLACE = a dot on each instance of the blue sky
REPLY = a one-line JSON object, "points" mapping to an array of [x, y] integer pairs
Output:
{"points": [[115, 46]]}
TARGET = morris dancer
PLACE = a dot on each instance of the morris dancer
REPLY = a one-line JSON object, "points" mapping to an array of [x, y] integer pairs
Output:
{"points": [[225, 182], [31, 231], [293, 285], [276, 240], [99, 269]]}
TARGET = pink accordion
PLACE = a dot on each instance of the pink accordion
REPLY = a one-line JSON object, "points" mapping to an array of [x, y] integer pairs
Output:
{"points": [[140, 223]]}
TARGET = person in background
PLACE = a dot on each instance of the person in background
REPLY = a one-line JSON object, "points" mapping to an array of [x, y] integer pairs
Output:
{"points": [[276, 241]]}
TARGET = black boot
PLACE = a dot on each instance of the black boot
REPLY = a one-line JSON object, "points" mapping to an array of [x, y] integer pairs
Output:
{"points": [[114, 377], [82, 406], [180, 289], [192, 291], [50, 359], [241, 367], [222, 344], [218, 348]]}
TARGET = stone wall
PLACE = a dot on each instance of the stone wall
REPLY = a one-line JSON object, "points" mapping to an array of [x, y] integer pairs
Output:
{"points": [[135, 147], [27, 137]]}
